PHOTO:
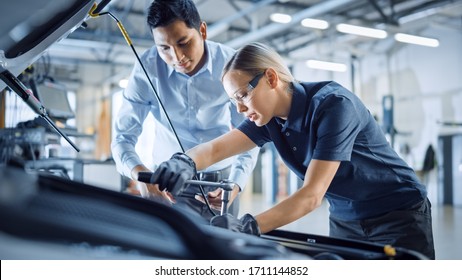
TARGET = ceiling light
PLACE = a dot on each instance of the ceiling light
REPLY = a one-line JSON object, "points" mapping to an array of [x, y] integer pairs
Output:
{"points": [[362, 31], [315, 23], [123, 83], [280, 18], [411, 39], [324, 65]]}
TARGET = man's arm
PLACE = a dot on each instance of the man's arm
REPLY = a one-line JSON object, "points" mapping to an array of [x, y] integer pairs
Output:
{"points": [[137, 102], [128, 127]]}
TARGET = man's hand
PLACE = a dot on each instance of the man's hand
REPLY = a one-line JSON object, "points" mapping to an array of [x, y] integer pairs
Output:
{"points": [[150, 191], [172, 174], [246, 224], [214, 197]]}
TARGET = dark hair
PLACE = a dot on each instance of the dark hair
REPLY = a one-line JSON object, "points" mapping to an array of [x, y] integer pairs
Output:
{"points": [[164, 12]]}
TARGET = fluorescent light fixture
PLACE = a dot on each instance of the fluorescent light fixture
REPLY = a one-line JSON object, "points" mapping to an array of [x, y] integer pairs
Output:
{"points": [[362, 31], [123, 83], [324, 65], [417, 40], [280, 18], [315, 23]]}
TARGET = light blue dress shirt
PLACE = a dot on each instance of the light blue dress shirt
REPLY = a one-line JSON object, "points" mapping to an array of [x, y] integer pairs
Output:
{"points": [[198, 108]]}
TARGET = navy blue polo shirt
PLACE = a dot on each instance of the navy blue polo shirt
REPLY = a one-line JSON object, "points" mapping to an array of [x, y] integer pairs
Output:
{"points": [[328, 122]]}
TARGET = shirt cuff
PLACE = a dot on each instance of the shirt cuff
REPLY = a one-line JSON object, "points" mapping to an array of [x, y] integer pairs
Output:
{"points": [[239, 178], [129, 165]]}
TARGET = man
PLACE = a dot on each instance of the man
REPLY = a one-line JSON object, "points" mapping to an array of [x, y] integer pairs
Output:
{"points": [[185, 69]]}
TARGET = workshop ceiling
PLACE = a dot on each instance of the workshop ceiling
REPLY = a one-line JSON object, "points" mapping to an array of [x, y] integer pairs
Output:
{"points": [[237, 22]]}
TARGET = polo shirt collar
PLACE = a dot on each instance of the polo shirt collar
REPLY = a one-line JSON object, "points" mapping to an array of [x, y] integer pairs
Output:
{"points": [[296, 115]]}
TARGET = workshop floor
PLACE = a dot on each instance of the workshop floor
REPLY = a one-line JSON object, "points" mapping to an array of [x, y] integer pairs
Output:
{"points": [[447, 224]]}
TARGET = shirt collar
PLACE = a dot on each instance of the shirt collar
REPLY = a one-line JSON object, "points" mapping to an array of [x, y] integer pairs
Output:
{"points": [[296, 115]]}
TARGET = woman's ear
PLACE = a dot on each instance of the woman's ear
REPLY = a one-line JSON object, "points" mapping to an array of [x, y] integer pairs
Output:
{"points": [[272, 77], [203, 30]]}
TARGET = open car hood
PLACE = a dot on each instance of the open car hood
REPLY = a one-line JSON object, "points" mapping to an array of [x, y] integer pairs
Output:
{"points": [[29, 27]]}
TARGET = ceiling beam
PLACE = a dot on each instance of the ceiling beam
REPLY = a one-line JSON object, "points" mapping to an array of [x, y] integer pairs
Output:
{"points": [[273, 28], [223, 25]]}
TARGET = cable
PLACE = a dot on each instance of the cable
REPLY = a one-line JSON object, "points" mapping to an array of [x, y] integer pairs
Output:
{"points": [[94, 14], [129, 42]]}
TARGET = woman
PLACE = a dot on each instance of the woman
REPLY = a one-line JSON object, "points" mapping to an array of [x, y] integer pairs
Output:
{"points": [[326, 135]]}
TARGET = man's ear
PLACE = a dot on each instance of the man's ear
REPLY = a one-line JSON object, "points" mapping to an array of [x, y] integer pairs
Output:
{"points": [[203, 30]]}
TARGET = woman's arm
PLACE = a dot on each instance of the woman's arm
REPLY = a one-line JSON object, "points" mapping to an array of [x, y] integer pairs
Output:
{"points": [[318, 177], [225, 146]]}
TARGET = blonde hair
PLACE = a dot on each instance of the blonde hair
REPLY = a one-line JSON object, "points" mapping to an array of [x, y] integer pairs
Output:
{"points": [[255, 58]]}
